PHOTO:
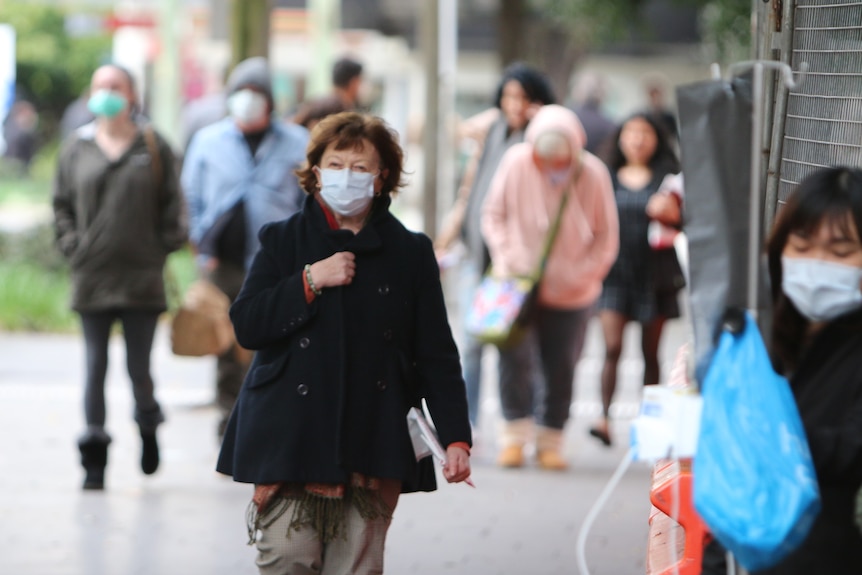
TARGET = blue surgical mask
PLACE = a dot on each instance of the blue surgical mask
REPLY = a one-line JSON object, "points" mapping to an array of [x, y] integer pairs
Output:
{"points": [[107, 103], [346, 192], [821, 290]]}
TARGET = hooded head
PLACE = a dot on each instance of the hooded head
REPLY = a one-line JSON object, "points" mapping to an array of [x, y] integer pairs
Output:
{"points": [[251, 73], [556, 137], [249, 94]]}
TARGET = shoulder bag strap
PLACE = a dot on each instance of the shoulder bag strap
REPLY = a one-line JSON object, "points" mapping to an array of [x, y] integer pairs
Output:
{"points": [[555, 227]]}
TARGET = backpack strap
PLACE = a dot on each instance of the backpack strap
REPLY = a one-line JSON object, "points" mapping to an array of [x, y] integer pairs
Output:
{"points": [[155, 155]]}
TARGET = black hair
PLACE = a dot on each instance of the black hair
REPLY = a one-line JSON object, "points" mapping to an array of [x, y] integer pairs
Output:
{"points": [[663, 160], [827, 195], [345, 70], [535, 84]]}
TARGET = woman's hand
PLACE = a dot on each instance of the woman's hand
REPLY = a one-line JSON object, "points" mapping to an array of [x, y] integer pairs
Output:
{"points": [[664, 208], [263, 494], [336, 270], [457, 466]]}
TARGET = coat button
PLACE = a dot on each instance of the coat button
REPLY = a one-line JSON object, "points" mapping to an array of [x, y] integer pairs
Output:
{"points": [[304, 342], [387, 335], [300, 319], [302, 389], [381, 385], [383, 290]]}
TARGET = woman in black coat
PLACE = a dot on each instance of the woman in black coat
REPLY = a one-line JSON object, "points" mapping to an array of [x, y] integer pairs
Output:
{"points": [[344, 307]]}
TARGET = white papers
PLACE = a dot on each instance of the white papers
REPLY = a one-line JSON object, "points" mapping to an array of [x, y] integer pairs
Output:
{"points": [[424, 439]]}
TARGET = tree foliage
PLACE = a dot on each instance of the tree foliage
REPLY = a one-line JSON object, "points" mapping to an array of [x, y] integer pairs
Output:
{"points": [[725, 24], [53, 68]]}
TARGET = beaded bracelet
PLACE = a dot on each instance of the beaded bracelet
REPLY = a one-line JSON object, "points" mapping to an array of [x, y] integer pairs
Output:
{"points": [[310, 281]]}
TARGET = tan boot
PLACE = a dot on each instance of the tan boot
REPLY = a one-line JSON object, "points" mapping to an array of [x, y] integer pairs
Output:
{"points": [[511, 456], [514, 435], [549, 449]]}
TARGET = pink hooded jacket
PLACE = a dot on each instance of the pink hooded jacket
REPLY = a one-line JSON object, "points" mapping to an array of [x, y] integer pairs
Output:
{"points": [[521, 206]]}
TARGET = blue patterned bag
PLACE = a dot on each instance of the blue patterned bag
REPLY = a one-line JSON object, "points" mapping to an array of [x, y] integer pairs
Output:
{"points": [[500, 310], [754, 481]]}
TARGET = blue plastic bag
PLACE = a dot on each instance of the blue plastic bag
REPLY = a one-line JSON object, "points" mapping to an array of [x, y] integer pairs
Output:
{"points": [[754, 481]]}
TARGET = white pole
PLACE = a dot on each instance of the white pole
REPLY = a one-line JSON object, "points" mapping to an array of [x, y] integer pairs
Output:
{"points": [[7, 74], [325, 20], [448, 69]]}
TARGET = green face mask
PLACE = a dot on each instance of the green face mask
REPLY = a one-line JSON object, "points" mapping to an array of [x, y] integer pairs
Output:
{"points": [[106, 103]]}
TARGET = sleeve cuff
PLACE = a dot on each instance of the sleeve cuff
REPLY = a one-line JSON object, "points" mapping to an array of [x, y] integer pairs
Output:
{"points": [[462, 444]]}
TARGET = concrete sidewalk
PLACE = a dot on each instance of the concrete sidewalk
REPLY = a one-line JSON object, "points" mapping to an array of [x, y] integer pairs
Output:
{"points": [[187, 519]]}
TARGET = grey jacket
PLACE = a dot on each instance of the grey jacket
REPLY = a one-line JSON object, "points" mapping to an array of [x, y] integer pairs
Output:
{"points": [[498, 140], [115, 223]]}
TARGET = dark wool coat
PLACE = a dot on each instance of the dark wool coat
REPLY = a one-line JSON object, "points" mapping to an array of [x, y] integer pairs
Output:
{"points": [[332, 381], [115, 223], [828, 390]]}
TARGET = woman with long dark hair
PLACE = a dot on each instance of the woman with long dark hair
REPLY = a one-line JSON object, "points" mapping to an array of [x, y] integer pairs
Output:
{"points": [[815, 268], [643, 283]]}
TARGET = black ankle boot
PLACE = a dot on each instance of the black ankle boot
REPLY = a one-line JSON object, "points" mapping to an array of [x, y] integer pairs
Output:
{"points": [[149, 452], [94, 458]]}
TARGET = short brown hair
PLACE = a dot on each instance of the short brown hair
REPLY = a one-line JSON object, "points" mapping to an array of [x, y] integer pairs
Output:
{"points": [[348, 130]]}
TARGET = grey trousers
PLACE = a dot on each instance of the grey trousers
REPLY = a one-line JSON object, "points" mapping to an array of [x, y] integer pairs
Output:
{"points": [[555, 340], [302, 553], [139, 328]]}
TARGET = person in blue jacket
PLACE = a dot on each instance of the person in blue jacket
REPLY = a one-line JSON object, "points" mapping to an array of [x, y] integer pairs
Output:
{"points": [[238, 175]]}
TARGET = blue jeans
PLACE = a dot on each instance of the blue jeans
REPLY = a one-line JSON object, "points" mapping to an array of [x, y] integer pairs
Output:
{"points": [[470, 348], [554, 341]]}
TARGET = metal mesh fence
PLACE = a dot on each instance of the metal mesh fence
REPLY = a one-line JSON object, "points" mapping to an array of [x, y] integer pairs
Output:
{"points": [[823, 124]]}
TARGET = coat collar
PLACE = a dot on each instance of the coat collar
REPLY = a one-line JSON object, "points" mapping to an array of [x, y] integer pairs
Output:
{"points": [[367, 240]]}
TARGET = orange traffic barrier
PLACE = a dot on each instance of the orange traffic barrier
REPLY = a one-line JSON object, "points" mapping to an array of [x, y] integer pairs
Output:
{"points": [[675, 547]]}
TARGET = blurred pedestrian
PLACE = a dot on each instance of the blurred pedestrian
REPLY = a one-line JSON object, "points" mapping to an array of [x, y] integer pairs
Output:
{"points": [[118, 214], [521, 92], [643, 283], [76, 114], [524, 198], [201, 113], [815, 268], [345, 309], [19, 133], [346, 85], [658, 109], [238, 175], [311, 113], [588, 95]]}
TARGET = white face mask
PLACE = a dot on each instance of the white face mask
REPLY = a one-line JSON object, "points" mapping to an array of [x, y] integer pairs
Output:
{"points": [[247, 106], [348, 193], [821, 290]]}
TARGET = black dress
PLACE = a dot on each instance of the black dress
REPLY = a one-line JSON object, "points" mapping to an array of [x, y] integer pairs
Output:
{"points": [[632, 286]]}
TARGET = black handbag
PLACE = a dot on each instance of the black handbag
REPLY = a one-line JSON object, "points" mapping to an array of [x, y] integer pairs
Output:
{"points": [[668, 272]]}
